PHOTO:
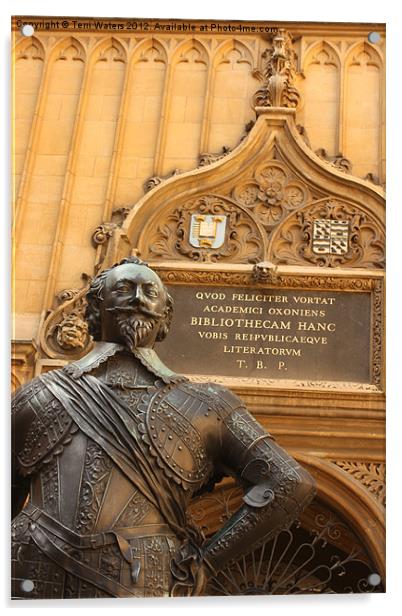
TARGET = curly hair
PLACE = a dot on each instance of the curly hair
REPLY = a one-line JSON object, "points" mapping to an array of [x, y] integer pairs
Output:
{"points": [[94, 298]]}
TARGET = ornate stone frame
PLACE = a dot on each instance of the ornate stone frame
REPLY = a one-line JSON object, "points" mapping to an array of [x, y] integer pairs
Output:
{"points": [[288, 277]]}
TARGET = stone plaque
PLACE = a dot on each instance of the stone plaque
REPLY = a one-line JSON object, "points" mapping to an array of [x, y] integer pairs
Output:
{"points": [[271, 334]]}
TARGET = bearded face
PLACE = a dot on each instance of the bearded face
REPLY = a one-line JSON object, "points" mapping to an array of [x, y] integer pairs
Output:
{"points": [[135, 328], [134, 307], [72, 332]]}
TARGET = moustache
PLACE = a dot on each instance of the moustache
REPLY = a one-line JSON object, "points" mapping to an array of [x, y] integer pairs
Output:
{"points": [[136, 310]]}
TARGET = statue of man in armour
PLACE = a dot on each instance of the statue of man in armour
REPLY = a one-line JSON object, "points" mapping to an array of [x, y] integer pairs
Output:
{"points": [[109, 450]]}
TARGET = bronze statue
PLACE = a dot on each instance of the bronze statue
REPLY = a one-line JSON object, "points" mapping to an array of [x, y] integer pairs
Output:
{"points": [[112, 448]]}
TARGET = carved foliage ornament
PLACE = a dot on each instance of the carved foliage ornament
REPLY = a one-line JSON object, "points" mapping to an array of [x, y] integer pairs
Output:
{"points": [[155, 180], [209, 229], [370, 474], [65, 331], [291, 281], [206, 159], [104, 232], [330, 234], [339, 161], [378, 332], [278, 73]]}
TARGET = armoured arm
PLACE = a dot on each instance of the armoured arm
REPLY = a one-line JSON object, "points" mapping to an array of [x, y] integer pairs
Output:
{"points": [[40, 427], [20, 418], [277, 488], [19, 492]]}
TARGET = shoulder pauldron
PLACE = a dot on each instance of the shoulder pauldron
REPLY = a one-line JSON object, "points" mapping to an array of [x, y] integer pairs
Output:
{"points": [[43, 421]]}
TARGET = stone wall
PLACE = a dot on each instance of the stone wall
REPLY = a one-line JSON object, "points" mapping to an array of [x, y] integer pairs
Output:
{"points": [[96, 116]]}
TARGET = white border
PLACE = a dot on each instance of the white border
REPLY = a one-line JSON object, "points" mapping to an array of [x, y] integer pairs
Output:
{"points": [[367, 11]]}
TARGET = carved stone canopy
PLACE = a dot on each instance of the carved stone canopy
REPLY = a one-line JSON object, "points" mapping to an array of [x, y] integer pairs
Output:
{"points": [[280, 202], [272, 199]]}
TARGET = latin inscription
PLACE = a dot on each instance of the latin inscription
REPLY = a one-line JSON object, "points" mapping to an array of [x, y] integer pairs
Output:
{"points": [[223, 331]]}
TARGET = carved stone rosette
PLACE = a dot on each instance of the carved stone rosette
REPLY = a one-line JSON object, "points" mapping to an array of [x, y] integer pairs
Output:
{"points": [[293, 243], [65, 332], [271, 194], [243, 241], [278, 74]]}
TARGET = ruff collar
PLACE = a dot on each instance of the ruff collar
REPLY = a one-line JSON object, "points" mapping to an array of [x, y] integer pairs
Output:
{"points": [[102, 351]]}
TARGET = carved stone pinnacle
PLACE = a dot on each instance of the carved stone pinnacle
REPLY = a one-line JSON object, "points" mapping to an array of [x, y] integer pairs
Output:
{"points": [[280, 66]]}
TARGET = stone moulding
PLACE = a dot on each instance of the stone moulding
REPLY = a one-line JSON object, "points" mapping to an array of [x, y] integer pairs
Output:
{"points": [[289, 384], [354, 502], [285, 276], [23, 358]]}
